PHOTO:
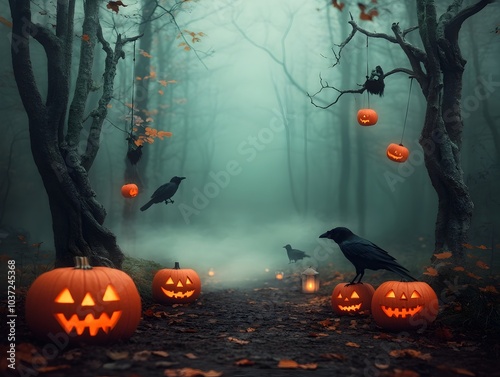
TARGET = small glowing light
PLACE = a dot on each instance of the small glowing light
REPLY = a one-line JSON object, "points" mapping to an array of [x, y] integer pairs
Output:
{"points": [[279, 275], [211, 272], [266, 269]]}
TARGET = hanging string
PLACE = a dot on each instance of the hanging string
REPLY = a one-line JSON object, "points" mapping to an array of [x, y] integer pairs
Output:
{"points": [[367, 94], [133, 94], [407, 107]]}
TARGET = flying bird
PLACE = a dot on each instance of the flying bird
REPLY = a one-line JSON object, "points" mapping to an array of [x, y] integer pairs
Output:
{"points": [[164, 193], [294, 254], [364, 254]]}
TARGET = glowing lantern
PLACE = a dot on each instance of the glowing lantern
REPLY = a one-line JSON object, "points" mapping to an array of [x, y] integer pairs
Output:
{"points": [[397, 152], [130, 190], [176, 285], [89, 304], [310, 280], [211, 272], [352, 298], [367, 117], [279, 275], [404, 305]]}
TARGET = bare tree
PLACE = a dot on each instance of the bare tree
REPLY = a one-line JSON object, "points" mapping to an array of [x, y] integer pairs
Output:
{"points": [[63, 149], [438, 69]]}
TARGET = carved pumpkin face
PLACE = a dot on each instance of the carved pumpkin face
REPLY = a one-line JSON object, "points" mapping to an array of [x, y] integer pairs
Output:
{"points": [[352, 299], [397, 152], [176, 285], [91, 305], [367, 117], [404, 305], [130, 190]]}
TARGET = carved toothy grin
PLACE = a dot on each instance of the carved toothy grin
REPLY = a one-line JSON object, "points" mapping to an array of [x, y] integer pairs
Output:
{"points": [[350, 308], [401, 312], [173, 294], [103, 322]]}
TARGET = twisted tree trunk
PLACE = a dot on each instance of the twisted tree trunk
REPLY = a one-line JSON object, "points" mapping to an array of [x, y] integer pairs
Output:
{"points": [[63, 160]]}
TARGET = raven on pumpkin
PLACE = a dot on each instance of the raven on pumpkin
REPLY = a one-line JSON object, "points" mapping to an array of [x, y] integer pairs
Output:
{"points": [[364, 254], [164, 193]]}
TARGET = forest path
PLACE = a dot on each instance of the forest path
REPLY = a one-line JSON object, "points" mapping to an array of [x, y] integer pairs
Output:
{"points": [[261, 329]]}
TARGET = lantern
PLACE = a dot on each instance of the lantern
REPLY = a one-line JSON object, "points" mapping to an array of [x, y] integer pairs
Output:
{"points": [[176, 285], [279, 275], [404, 305], [367, 117], [211, 272], [130, 190], [310, 280], [352, 298], [89, 304], [397, 152]]}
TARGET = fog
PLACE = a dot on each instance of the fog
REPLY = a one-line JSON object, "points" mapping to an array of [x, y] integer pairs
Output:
{"points": [[263, 165]]}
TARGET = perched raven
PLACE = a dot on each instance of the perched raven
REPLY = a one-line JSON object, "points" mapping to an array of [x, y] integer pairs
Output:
{"points": [[294, 254], [164, 193], [364, 254]]}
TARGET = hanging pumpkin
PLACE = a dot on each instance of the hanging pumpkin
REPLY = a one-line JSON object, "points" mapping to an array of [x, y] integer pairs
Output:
{"points": [[176, 285], [130, 190], [90, 304], [367, 117], [404, 305], [352, 298], [397, 152]]}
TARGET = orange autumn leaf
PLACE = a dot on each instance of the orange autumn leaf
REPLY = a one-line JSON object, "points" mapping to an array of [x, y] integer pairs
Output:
{"points": [[288, 364], [352, 344], [85, 37], [162, 134], [474, 276], [489, 289], [468, 246], [115, 5], [431, 271], [244, 362], [482, 265], [443, 255], [459, 268], [338, 5], [161, 92], [190, 372], [145, 54], [367, 16], [482, 247]]}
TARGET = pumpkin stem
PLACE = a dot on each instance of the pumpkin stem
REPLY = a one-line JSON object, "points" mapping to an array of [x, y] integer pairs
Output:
{"points": [[176, 267], [82, 263]]}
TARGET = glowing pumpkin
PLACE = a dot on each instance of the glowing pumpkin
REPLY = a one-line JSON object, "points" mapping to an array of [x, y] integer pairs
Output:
{"points": [[86, 304], [176, 285], [404, 305], [352, 298], [397, 152], [367, 117], [130, 190]]}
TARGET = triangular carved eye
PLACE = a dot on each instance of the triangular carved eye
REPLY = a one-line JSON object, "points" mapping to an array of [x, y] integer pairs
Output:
{"points": [[390, 294], [188, 281], [403, 297], [110, 294], [354, 295], [179, 284], [65, 297], [415, 294], [340, 295], [169, 281]]}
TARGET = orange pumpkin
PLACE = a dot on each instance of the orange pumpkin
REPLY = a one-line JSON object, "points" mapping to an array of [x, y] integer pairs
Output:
{"points": [[83, 304], [367, 117], [404, 305], [352, 298], [130, 190], [397, 152], [176, 285]]}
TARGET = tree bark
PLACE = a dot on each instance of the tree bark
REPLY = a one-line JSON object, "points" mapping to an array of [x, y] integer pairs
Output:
{"points": [[77, 217]]}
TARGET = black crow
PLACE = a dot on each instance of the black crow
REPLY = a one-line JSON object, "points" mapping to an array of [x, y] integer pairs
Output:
{"points": [[164, 193], [364, 254], [294, 254]]}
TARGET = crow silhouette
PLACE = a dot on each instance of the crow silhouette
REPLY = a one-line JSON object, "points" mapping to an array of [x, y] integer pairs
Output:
{"points": [[294, 254], [364, 254], [164, 193]]}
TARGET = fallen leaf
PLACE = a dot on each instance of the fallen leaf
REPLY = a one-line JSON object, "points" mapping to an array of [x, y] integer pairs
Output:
{"points": [[460, 371], [190, 372], [431, 271], [309, 366], [443, 255], [288, 364], [482, 265], [244, 362], [414, 354], [405, 373], [381, 366], [468, 246], [191, 356], [474, 276], [238, 341], [489, 288], [141, 355], [459, 268], [316, 335], [117, 355], [160, 353], [482, 247], [352, 344]]}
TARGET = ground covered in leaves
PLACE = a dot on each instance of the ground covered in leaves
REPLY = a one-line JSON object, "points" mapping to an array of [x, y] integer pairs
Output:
{"points": [[267, 328]]}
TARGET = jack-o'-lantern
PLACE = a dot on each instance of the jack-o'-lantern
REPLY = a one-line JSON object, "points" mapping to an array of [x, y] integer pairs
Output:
{"points": [[84, 304], [352, 298], [404, 305], [130, 190], [176, 285], [397, 152], [279, 275], [367, 117]]}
